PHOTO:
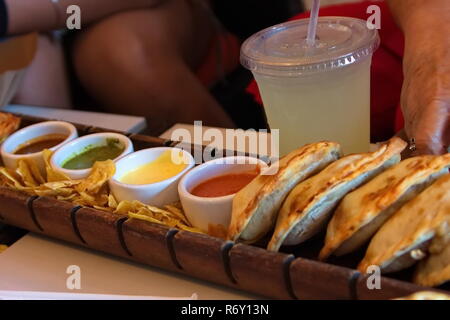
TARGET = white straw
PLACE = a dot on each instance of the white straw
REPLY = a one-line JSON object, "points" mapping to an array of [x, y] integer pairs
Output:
{"points": [[38, 295], [312, 28]]}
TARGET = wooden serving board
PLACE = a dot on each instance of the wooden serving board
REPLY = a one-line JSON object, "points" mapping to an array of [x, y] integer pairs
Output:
{"points": [[289, 275]]}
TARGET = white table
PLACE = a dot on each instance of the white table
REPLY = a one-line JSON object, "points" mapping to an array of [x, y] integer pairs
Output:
{"points": [[102, 120]]}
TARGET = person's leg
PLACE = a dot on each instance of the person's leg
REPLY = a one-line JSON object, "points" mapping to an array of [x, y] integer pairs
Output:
{"points": [[45, 82], [142, 62]]}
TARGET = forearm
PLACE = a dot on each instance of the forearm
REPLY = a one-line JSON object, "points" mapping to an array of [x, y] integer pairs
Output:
{"points": [[43, 15], [417, 14], [426, 87], [425, 25]]}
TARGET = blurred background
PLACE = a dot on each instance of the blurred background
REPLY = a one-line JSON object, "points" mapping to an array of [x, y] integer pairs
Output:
{"points": [[238, 17]]}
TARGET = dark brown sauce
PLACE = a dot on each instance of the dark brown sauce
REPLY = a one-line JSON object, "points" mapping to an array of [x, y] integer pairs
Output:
{"points": [[40, 143]]}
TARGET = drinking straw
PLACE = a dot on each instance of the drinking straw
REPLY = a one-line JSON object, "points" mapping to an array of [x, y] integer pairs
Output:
{"points": [[312, 28]]}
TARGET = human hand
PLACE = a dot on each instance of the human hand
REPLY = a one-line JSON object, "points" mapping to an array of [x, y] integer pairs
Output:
{"points": [[426, 90]]}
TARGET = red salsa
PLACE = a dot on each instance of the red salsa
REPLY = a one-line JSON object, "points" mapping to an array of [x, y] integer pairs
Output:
{"points": [[224, 185]]}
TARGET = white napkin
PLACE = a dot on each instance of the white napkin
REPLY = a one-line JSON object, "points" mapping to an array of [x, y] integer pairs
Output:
{"points": [[36, 295]]}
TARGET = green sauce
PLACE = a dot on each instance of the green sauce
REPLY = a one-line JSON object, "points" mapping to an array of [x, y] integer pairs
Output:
{"points": [[92, 153]]}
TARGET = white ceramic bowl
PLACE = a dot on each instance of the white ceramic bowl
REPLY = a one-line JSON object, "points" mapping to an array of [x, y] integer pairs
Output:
{"points": [[200, 211], [156, 194], [34, 131], [78, 145]]}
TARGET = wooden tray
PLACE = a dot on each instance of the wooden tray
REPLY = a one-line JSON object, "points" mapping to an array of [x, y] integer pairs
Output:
{"points": [[289, 275]]}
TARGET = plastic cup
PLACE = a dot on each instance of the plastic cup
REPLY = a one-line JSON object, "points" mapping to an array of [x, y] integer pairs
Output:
{"points": [[319, 92]]}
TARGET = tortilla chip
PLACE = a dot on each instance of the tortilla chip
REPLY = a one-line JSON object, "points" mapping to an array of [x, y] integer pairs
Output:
{"points": [[112, 202], [36, 172], [24, 170], [101, 172], [52, 175]]}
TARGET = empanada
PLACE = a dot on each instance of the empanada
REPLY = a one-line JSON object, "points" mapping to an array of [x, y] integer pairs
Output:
{"points": [[363, 211], [255, 207], [8, 124], [397, 244], [435, 270], [308, 207], [426, 295]]}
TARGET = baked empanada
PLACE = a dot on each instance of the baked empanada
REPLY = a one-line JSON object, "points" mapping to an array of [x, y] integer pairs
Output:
{"points": [[256, 206], [426, 295], [8, 124], [363, 211], [399, 242], [308, 207], [435, 270]]}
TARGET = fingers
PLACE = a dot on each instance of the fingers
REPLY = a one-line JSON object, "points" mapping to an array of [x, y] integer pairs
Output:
{"points": [[430, 129]]}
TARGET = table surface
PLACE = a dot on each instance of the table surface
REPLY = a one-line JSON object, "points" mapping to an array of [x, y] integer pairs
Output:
{"points": [[118, 122], [38, 263]]}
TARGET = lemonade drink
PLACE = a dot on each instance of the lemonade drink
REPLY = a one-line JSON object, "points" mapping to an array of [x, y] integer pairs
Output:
{"points": [[319, 93]]}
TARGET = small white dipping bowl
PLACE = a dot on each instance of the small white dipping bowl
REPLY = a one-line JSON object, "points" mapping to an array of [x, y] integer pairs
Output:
{"points": [[202, 211], [79, 145], [156, 194], [31, 132]]}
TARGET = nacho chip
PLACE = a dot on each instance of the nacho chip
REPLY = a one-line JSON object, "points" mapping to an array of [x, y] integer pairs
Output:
{"points": [[101, 172], [112, 202], [92, 191], [144, 217], [13, 180], [24, 171], [52, 175], [177, 213], [37, 175]]}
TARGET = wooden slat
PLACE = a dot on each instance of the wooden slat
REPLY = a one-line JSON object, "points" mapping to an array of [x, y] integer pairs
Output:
{"points": [[141, 142], [202, 256], [147, 243], [260, 271], [55, 218], [30, 120], [99, 230], [93, 130], [14, 209], [313, 280]]}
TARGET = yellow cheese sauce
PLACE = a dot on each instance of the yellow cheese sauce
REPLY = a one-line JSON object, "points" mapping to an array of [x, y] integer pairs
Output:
{"points": [[158, 170]]}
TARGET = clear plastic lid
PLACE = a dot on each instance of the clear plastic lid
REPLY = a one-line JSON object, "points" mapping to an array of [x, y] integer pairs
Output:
{"points": [[282, 50]]}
